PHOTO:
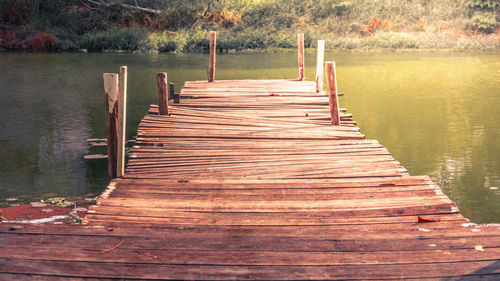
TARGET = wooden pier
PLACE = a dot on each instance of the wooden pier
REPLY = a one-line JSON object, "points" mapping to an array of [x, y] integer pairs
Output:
{"points": [[248, 180], [254, 180]]}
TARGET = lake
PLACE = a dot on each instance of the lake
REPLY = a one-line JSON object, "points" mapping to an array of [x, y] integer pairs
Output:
{"points": [[437, 113]]}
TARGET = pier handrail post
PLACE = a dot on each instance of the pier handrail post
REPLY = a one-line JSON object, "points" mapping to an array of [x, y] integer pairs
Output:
{"points": [[112, 107], [211, 62], [171, 89], [122, 122], [300, 50], [333, 98], [319, 65], [161, 79]]}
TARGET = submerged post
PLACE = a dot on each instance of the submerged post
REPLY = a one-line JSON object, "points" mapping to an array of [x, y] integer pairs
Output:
{"points": [[319, 65], [211, 62], [332, 92], [122, 122], [112, 105], [161, 79], [300, 49]]}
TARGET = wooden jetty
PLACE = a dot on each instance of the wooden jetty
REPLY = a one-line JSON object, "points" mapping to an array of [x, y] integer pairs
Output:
{"points": [[248, 180]]}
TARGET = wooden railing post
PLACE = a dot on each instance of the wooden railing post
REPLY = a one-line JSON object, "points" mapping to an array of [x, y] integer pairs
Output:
{"points": [[319, 65], [332, 92], [300, 49], [211, 62], [177, 97], [161, 79], [122, 122], [112, 105]]}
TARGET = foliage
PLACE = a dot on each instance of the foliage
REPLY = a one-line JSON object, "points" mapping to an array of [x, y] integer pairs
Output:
{"points": [[177, 25], [164, 42], [483, 5], [395, 40], [483, 22], [341, 8], [43, 42], [113, 39]]}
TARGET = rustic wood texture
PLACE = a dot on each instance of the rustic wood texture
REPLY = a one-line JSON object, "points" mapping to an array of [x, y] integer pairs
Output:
{"points": [[333, 97], [112, 97], [300, 53], [247, 180], [161, 81], [122, 121], [211, 59], [320, 58]]}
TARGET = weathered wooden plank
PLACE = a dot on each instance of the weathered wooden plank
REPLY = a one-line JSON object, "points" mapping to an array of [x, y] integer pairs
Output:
{"points": [[237, 243], [246, 272]]}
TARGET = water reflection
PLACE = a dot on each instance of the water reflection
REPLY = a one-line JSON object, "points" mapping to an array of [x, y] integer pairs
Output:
{"points": [[437, 115]]}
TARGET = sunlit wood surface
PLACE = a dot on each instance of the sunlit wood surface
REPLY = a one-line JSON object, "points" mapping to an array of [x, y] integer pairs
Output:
{"points": [[248, 180]]}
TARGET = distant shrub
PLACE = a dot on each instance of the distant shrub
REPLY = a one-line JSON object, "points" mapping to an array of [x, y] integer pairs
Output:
{"points": [[285, 41], [43, 42], [483, 5], [341, 7], [13, 12], [395, 40], [355, 27], [276, 14], [66, 45], [223, 18], [199, 41], [483, 22], [346, 43], [8, 39], [164, 42], [117, 39]]}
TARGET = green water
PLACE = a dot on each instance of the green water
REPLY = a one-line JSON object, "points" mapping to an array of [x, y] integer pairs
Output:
{"points": [[437, 113]]}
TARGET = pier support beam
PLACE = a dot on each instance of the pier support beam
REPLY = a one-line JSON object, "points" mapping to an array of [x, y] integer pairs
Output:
{"points": [[319, 65], [112, 105], [300, 50], [161, 79], [211, 62], [332, 92]]}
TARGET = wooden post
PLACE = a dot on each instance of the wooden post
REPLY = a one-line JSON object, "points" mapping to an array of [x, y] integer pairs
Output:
{"points": [[161, 79], [211, 62], [112, 105], [177, 97], [332, 92], [300, 48], [171, 90], [319, 65], [122, 122]]}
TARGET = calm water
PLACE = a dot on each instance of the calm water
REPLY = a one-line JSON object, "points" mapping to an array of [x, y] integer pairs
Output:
{"points": [[437, 113]]}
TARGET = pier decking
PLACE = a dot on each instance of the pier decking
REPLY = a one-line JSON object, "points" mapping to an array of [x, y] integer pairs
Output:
{"points": [[248, 180]]}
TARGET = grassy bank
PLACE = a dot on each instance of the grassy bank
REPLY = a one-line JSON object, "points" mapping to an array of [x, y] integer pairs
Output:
{"points": [[182, 26]]}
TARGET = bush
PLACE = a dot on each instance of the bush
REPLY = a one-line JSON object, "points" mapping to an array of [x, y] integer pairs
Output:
{"points": [[483, 22], [285, 41], [164, 42], [117, 39], [66, 45], [395, 40], [482, 5], [199, 41], [43, 42], [341, 7]]}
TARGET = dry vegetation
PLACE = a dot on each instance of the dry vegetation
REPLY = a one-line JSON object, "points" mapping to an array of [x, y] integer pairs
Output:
{"points": [[175, 25]]}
